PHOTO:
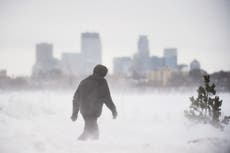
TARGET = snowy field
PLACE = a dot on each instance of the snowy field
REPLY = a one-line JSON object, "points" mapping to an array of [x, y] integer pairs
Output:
{"points": [[39, 122]]}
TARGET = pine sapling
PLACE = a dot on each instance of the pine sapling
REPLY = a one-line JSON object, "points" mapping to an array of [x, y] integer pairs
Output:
{"points": [[206, 107]]}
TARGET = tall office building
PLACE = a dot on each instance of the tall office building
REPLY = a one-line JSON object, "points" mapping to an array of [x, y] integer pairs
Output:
{"points": [[141, 60], [122, 66], [156, 63], [195, 65], [170, 58], [45, 62], [72, 64], [44, 52], [91, 51], [143, 46]]}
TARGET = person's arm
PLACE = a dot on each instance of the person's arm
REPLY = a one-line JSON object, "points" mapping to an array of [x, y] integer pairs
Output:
{"points": [[108, 100], [75, 105]]}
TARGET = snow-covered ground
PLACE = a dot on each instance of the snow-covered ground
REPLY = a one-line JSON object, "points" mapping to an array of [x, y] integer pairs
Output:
{"points": [[39, 122]]}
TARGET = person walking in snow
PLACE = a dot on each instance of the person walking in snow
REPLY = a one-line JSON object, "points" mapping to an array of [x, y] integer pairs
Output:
{"points": [[89, 98]]}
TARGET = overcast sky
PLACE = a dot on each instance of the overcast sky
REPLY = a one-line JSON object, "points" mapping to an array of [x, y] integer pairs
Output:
{"points": [[198, 28]]}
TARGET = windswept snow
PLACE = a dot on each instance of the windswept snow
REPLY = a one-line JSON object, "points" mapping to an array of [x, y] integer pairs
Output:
{"points": [[39, 122]]}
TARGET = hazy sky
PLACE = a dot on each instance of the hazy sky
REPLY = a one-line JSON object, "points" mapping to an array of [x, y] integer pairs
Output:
{"points": [[198, 28]]}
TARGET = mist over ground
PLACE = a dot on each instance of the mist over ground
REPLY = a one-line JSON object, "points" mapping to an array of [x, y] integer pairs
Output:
{"points": [[150, 121]]}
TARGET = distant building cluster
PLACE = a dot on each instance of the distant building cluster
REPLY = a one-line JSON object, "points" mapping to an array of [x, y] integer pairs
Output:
{"points": [[139, 70], [71, 64], [153, 68], [142, 63], [142, 66]]}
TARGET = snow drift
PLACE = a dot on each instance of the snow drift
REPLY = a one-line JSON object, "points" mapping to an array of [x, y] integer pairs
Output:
{"points": [[34, 122]]}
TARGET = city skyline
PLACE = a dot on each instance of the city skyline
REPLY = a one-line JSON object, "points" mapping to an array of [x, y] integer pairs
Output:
{"points": [[70, 64], [132, 56], [199, 29], [78, 64]]}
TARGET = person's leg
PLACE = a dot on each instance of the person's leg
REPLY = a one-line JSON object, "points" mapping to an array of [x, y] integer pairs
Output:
{"points": [[85, 132], [90, 129], [94, 131]]}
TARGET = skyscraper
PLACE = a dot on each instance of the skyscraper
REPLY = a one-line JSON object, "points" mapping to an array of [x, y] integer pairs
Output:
{"points": [[122, 66], [143, 46], [44, 52], [170, 58], [45, 62], [72, 64], [141, 60], [91, 51]]}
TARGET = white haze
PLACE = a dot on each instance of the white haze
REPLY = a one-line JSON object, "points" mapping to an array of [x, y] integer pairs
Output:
{"points": [[198, 28], [35, 122]]}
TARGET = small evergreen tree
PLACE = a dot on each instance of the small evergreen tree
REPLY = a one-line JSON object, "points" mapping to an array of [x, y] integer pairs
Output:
{"points": [[206, 107]]}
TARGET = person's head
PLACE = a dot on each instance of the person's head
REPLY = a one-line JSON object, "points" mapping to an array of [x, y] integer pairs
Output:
{"points": [[100, 70]]}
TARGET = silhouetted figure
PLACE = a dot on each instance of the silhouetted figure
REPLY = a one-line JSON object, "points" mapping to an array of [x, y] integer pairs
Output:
{"points": [[89, 98]]}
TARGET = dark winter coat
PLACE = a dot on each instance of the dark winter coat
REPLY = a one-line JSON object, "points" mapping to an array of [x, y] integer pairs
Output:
{"points": [[90, 96]]}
